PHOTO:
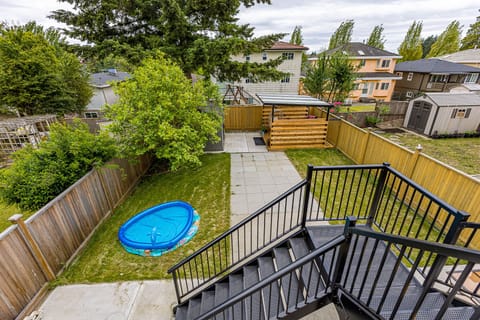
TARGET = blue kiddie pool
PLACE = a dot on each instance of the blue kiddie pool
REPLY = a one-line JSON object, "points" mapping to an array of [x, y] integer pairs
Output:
{"points": [[159, 229]]}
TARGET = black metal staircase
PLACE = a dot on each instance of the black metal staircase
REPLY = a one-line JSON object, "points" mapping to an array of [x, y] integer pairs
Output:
{"points": [[387, 256]]}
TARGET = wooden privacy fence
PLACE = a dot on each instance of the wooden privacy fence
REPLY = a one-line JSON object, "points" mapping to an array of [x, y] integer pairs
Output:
{"points": [[34, 251], [365, 147], [247, 118]]}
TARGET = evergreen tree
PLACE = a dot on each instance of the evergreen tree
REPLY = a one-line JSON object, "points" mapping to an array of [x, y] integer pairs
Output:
{"points": [[342, 76], [427, 44], [472, 38], [297, 37], [37, 75], [200, 36], [448, 41], [376, 38], [411, 46], [342, 35], [316, 77]]}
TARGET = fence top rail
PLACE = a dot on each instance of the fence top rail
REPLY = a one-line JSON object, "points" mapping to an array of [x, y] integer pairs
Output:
{"points": [[239, 225], [277, 275], [446, 250], [427, 193]]}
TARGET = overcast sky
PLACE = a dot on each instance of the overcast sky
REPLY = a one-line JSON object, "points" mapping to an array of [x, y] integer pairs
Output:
{"points": [[319, 19]]}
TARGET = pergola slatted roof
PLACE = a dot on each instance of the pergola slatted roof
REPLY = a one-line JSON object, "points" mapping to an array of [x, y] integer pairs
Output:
{"points": [[291, 100]]}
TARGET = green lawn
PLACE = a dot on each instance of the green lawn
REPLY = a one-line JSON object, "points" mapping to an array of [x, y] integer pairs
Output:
{"points": [[317, 157], [358, 108], [6, 211], [207, 188], [461, 153]]}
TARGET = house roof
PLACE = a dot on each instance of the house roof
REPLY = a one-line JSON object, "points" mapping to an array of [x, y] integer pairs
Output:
{"points": [[291, 100], [361, 50], [282, 45], [102, 79], [434, 66], [465, 56], [444, 99], [377, 75]]}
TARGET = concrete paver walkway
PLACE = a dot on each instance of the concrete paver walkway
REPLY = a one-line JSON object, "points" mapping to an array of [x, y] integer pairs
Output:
{"points": [[257, 177]]}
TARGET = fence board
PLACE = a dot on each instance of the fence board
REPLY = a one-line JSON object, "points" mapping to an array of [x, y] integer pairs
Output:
{"points": [[248, 118], [60, 229]]}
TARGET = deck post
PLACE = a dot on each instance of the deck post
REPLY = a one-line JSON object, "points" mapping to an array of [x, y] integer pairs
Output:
{"points": [[342, 256], [306, 197], [378, 194]]}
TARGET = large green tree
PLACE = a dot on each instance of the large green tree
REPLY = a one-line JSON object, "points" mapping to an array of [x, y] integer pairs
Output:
{"points": [[296, 37], [448, 41], [162, 113], [200, 36], [411, 46], [331, 78], [427, 44], [376, 38], [37, 75], [472, 38], [342, 35]]}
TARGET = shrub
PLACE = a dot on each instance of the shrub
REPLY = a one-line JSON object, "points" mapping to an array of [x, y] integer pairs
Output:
{"points": [[39, 175]]}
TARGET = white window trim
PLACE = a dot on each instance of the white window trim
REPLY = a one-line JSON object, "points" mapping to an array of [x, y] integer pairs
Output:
{"points": [[410, 76]]}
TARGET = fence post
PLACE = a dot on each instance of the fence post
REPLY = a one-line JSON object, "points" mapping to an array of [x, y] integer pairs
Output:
{"points": [[306, 197], [342, 256], [414, 161], [362, 160], [378, 194], [33, 246]]}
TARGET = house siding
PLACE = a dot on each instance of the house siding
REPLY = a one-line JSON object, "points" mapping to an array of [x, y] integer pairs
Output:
{"points": [[293, 67]]}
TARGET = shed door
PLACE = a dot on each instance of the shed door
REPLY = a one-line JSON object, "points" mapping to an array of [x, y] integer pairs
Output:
{"points": [[419, 116]]}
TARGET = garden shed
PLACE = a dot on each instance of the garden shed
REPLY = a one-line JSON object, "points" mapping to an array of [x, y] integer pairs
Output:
{"points": [[435, 114], [15, 133], [289, 124]]}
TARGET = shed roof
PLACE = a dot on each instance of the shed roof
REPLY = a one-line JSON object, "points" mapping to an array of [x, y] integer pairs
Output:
{"points": [[291, 100], [434, 66], [454, 99]]}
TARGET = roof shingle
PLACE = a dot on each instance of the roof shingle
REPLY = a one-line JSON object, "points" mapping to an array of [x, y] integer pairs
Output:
{"points": [[434, 66]]}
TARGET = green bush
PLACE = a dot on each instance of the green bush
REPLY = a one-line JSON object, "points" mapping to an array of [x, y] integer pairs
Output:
{"points": [[39, 175]]}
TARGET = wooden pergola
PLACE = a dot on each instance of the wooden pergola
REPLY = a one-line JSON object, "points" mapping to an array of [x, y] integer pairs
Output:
{"points": [[290, 124]]}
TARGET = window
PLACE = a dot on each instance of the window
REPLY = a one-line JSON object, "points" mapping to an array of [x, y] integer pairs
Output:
{"points": [[264, 56], [409, 94], [362, 63], [461, 113], [400, 74], [288, 55], [471, 78], [385, 63], [376, 85], [410, 76], [247, 57], [436, 78], [91, 115], [286, 79], [384, 86]]}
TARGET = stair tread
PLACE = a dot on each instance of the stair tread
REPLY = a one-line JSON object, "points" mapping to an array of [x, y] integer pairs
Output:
{"points": [[235, 287], [433, 299], [299, 247], [181, 312], [194, 305], [452, 313], [208, 301], [253, 307], [271, 293], [292, 291]]}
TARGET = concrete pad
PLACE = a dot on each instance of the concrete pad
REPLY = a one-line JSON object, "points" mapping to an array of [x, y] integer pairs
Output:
{"points": [[112, 301], [155, 300], [329, 312]]}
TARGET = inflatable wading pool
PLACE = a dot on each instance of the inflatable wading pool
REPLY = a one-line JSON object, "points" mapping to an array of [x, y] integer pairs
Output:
{"points": [[159, 229]]}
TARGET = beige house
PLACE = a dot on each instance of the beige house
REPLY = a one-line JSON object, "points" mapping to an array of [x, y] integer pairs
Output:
{"points": [[375, 75], [470, 57], [292, 65]]}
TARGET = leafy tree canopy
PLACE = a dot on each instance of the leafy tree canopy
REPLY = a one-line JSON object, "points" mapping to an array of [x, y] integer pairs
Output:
{"points": [[37, 75], [411, 47], [342, 35], [331, 78], [376, 38], [39, 175], [162, 113], [200, 36], [448, 41], [296, 37], [472, 38], [427, 44]]}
